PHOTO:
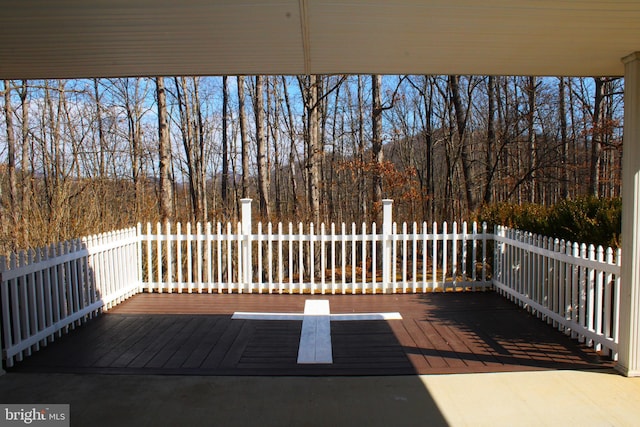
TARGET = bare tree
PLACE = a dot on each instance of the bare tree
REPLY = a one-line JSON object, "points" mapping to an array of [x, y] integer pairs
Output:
{"points": [[310, 88], [562, 113], [11, 161], [293, 160], [225, 143], [164, 153], [362, 184], [244, 140], [193, 141], [27, 182], [263, 172], [531, 90], [491, 139], [376, 137], [462, 116], [597, 135]]}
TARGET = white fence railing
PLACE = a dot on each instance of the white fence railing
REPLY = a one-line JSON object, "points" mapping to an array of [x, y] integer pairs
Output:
{"points": [[574, 287], [45, 292], [314, 260]]}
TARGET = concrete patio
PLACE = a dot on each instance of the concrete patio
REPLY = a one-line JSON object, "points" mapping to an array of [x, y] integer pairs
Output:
{"points": [[490, 399]]}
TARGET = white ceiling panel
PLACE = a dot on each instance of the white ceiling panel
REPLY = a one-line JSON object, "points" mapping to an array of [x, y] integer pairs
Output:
{"points": [[109, 38]]}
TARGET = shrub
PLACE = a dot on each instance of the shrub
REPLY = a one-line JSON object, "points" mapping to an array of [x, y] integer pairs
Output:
{"points": [[584, 219]]}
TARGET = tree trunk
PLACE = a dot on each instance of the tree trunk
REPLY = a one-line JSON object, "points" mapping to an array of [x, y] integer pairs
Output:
{"points": [[491, 140], [244, 140], [313, 150], [531, 132], [376, 140], [292, 150], [273, 120], [362, 184], [263, 177], [101, 138], [428, 108], [225, 145], [164, 152], [461, 124], [135, 138], [597, 136], [27, 175], [562, 112], [11, 162], [201, 166], [193, 142]]}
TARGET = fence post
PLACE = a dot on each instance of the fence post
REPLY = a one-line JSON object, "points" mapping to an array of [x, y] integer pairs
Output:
{"points": [[387, 231], [245, 242]]}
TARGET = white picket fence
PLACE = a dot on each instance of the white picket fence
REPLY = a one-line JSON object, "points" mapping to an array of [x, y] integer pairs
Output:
{"points": [[572, 286], [47, 291], [328, 260], [322, 260], [44, 293]]}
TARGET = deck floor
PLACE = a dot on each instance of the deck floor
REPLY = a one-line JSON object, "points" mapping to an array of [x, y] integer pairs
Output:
{"points": [[193, 334]]}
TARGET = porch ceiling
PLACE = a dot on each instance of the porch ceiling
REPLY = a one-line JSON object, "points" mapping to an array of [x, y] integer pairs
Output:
{"points": [[109, 38]]}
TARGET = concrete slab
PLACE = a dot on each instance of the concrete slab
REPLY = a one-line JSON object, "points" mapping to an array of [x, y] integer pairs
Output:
{"points": [[549, 398], [501, 399], [124, 400]]}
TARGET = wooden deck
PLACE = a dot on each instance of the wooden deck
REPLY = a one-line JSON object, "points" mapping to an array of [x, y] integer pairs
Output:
{"points": [[193, 334]]}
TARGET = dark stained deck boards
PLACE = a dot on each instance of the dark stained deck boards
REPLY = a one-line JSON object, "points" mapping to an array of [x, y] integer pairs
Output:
{"points": [[193, 334]]}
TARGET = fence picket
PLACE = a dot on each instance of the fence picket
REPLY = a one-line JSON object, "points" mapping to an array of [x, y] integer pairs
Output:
{"points": [[230, 262], [590, 296], [343, 257], [270, 258], [290, 245], [7, 321], [394, 257], [484, 256], [219, 256], [434, 258], [199, 256], [242, 253], [445, 246], [333, 258], [48, 290], [291, 260], [209, 260], [424, 256], [414, 258], [179, 261], [280, 260], [169, 251], [354, 273], [30, 290], [364, 258], [40, 296], [608, 294], [404, 257], [259, 239], [374, 259], [301, 258], [616, 307], [463, 261]]}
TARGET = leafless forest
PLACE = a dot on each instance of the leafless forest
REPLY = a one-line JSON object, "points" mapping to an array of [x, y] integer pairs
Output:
{"points": [[86, 156]]}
